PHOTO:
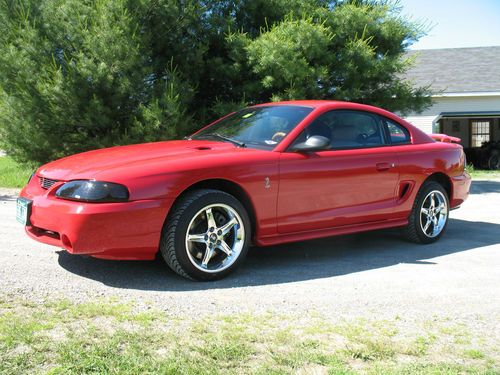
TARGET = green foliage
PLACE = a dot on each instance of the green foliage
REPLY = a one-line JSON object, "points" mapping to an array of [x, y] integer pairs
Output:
{"points": [[13, 175], [81, 75], [352, 52], [291, 58], [77, 75]]}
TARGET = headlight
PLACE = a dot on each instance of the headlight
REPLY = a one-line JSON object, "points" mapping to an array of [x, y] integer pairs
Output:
{"points": [[93, 191]]}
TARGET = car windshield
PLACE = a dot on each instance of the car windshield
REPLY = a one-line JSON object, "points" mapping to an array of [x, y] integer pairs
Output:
{"points": [[257, 127]]}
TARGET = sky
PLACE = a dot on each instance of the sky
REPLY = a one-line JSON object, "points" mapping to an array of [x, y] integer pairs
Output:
{"points": [[456, 23]]}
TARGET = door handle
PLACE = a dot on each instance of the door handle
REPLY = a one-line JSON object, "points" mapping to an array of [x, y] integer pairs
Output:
{"points": [[384, 166]]}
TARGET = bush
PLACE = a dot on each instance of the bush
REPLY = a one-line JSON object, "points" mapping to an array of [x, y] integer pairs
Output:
{"points": [[78, 75]]}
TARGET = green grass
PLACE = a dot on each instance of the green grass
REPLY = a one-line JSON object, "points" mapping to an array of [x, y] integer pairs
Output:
{"points": [[474, 354], [13, 175], [483, 174], [107, 337]]}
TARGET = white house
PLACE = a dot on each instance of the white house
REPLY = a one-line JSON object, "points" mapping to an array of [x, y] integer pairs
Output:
{"points": [[466, 87]]}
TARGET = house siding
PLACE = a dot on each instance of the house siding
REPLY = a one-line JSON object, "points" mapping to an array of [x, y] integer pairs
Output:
{"points": [[425, 119], [424, 123]]}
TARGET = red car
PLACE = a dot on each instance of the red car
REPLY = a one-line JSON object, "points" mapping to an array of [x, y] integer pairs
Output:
{"points": [[268, 174]]}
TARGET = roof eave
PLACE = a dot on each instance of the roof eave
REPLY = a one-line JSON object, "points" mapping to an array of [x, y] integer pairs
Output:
{"points": [[466, 94]]}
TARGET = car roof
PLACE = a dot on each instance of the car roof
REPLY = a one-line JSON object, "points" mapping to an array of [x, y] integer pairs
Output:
{"points": [[304, 103], [333, 104]]}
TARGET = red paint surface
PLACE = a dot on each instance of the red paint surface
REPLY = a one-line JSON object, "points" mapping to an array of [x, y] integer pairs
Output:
{"points": [[310, 195]]}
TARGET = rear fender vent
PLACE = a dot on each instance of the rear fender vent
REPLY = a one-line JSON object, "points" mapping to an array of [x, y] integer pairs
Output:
{"points": [[405, 188]]}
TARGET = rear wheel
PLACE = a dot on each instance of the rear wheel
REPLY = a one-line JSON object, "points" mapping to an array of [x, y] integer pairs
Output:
{"points": [[206, 235], [429, 216]]}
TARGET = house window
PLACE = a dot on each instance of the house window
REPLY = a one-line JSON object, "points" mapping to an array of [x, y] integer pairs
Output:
{"points": [[480, 132]]}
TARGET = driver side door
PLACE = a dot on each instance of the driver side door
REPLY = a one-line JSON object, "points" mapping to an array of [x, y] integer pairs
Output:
{"points": [[353, 182]]}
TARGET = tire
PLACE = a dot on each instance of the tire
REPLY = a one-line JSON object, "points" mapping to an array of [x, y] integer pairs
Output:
{"points": [[427, 223], [494, 162], [206, 235]]}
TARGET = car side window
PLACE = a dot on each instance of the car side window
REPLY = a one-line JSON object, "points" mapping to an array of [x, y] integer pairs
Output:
{"points": [[397, 133], [346, 129]]}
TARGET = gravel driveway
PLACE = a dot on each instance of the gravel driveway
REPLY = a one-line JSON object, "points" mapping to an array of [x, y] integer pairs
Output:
{"points": [[374, 274]]}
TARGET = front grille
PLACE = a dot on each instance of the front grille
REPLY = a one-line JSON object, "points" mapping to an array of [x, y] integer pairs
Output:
{"points": [[46, 183]]}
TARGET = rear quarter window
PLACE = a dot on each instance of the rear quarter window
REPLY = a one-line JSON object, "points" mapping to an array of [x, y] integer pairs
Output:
{"points": [[397, 133]]}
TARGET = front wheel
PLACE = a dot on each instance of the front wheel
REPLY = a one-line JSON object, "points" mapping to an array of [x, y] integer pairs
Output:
{"points": [[206, 235], [429, 216]]}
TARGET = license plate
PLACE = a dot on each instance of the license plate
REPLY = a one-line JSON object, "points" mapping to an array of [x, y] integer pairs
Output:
{"points": [[23, 211]]}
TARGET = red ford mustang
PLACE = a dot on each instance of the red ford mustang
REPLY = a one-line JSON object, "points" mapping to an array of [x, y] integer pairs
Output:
{"points": [[268, 174]]}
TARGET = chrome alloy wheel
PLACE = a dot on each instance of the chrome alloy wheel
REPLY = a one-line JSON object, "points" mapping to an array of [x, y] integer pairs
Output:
{"points": [[433, 213], [215, 238]]}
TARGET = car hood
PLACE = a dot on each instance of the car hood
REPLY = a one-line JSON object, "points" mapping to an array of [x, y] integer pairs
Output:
{"points": [[95, 164]]}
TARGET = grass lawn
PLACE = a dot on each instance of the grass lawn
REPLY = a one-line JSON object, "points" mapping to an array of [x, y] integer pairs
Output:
{"points": [[106, 337], [482, 174], [13, 175]]}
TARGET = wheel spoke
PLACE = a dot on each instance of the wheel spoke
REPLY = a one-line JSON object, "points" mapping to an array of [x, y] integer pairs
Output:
{"points": [[427, 224], [433, 202], [435, 227], [209, 252], [425, 211], [196, 238], [225, 248], [228, 226], [440, 208], [210, 218]]}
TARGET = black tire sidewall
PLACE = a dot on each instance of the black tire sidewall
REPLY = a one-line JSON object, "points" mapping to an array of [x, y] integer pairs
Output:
{"points": [[206, 198]]}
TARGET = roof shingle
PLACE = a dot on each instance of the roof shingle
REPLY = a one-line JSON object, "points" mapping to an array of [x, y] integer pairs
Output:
{"points": [[457, 70]]}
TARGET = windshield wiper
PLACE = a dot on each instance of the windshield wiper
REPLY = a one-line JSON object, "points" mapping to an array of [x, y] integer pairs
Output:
{"points": [[224, 138]]}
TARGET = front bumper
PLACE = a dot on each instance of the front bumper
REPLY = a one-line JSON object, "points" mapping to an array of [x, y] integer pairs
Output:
{"points": [[128, 230]]}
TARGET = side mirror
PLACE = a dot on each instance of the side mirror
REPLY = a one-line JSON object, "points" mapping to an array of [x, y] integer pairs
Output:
{"points": [[313, 143]]}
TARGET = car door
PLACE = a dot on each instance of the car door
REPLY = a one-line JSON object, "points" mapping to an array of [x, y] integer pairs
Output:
{"points": [[353, 182]]}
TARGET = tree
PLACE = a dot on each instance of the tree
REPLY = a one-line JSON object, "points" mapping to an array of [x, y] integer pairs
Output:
{"points": [[77, 75], [353, 52], [80, 75]]}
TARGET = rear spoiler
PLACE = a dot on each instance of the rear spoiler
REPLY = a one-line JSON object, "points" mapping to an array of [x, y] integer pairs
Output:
{"points": [[445, 138]]}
